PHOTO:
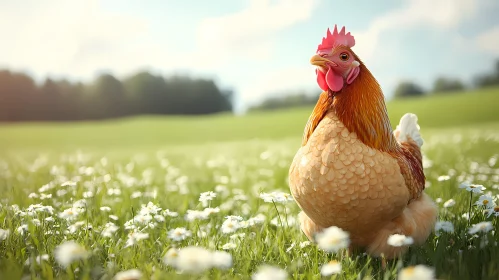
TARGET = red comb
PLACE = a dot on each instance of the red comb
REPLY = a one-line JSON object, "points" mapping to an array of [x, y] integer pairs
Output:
{"points": [[336, 39]]}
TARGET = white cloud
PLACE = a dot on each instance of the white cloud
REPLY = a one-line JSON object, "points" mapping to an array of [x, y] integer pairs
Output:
{"points": [[66, 37], [433, 13], [250, 32], [249, 35], [489, 40]]}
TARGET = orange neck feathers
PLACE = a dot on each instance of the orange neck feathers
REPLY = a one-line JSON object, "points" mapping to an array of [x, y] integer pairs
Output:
{"points": [[361, 107]]}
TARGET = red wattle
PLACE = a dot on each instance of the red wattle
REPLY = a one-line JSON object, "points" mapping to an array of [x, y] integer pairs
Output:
{"points": [[333, 80], [321, 80]]}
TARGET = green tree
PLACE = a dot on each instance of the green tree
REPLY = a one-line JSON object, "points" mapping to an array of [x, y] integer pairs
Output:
{"points": [[106, 98], [491, 79], [443, 84], [408, 89], [148, 93], [16, 91]]}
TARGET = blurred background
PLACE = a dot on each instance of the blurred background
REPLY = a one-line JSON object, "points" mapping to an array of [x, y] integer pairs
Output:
{"points": [[96, 60]]}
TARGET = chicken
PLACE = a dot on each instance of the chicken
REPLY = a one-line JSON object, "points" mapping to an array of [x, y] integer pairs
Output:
{"points": [[352, 170]]}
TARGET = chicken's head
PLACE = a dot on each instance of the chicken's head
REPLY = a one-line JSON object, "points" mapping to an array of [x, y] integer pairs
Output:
{"points": [[335, 61]]}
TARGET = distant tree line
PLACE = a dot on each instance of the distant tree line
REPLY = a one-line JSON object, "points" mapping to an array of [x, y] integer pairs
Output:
{"points": [[447, 85], [441, 85], [287, 101], [21, 99]]}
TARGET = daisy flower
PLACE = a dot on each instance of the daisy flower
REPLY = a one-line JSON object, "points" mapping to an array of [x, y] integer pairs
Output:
{"points": [[4, 234], [486, 201], [38, 259], [481, 227], [179, 234], [399, 240], [418, 272], [221, 259], [449, 203], [444, 226], [474, 188], [171, 256], [135, 237], [229, 246], [132, 274], [330, 268], [279, 197], [69, 252], [493, 211], [333, 239], [193, 260], [267, 272], [206, 197]]}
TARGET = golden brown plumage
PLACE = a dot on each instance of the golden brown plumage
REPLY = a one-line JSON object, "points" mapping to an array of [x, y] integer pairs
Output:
{"points": [[354, 172]]}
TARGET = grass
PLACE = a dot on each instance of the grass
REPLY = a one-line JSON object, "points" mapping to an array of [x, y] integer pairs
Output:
{"points": [[125, 164], [451, 110]]}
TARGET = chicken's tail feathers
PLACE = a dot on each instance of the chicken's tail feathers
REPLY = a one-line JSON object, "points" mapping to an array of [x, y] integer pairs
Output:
{"points": [[408, 127]]}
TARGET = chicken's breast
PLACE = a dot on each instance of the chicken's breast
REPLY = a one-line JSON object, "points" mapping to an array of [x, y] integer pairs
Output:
{"points": [[338, 180]]}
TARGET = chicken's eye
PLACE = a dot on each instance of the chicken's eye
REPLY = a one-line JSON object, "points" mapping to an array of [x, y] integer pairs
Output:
{"points": [[344, 56]]}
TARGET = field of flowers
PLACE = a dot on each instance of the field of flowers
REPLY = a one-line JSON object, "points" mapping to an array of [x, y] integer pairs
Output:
{"points": [[223, 211]]}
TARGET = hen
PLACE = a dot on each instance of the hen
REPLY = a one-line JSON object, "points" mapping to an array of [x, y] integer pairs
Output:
{"points": [[352, 170]]}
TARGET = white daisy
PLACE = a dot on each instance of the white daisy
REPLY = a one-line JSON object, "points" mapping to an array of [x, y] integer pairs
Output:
{"points": [[193, 259], [193, 215], [493, 211], [449, 203], [279, 197], [229, 246], [69, 252], [333, 239], [418, 272], [330, 268], [474, 188], [481, 227], [132, 274], [135, 237], [105, 208], [399, 240], [221, 259], [443, 178], [179, 234], [170, 258], [109, 230], [169, 213], [267, 272], [444, 226], [486, 201], [4, 234], [71, 214], [210, 211], [230, 225], [38, 259], [206, 197]]}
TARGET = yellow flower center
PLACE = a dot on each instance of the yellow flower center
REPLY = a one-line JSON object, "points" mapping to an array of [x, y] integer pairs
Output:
{"points": [[409, 270], [485, 202], [496, 209], [334, 241], [333, 262]]}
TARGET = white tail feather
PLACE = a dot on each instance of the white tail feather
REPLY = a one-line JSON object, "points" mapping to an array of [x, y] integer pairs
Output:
{"points": [[408, 126]]}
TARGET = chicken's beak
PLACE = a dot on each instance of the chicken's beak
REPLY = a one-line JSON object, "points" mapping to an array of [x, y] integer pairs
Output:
{"points": [[320, 61]]}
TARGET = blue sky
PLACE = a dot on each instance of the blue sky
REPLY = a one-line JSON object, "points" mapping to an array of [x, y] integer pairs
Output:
{"points": [[257, 47]]}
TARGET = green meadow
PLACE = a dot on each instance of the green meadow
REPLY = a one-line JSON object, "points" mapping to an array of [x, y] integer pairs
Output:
{"points": [[89, 181]]}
